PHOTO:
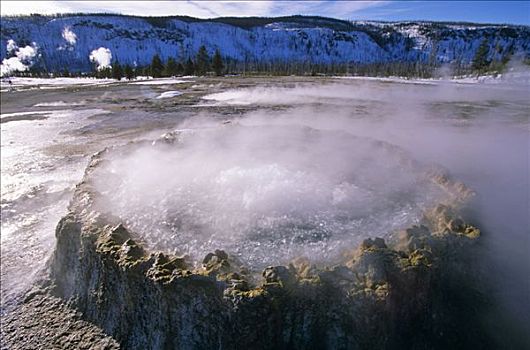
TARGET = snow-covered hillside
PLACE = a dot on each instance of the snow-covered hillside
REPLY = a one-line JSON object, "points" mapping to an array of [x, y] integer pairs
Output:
{"points": [[68, 41]]}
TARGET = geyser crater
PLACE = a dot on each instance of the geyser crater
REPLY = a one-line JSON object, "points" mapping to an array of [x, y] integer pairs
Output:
{"points": [[264, 194]]}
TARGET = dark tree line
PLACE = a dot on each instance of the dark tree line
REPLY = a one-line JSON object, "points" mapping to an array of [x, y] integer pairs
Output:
{"points": [[202, 64]]}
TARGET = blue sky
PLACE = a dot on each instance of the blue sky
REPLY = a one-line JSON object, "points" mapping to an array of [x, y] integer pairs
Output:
{"points": [[517, 12]]}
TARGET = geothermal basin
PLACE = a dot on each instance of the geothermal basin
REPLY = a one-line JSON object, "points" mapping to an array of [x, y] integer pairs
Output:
{"points": [[320, 212]]}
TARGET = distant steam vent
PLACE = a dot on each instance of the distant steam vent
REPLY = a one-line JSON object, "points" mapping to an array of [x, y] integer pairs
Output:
{"points": [[102, 57], [19, 58]]}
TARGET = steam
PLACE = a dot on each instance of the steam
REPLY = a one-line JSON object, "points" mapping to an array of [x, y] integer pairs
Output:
{"points": [[11, 46], [102, 57], [27, 53], [69, 36], [264, 193], [22, 59], [312, 169], [479, 132], [10, 65]]}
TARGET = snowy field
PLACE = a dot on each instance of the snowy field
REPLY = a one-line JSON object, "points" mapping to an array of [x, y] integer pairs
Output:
{"points": [[50, 83], [57, 83]]}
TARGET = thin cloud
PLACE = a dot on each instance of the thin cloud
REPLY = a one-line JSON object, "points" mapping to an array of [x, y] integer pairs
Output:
{"points": [[336, 9], [201, 9]]}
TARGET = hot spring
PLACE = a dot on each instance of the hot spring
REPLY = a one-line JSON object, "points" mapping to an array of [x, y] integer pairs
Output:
{"points": [[264, 194]]}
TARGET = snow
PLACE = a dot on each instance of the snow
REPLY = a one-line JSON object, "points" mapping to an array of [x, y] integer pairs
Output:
{"points": [[169, 94], [58, 104], [161, 82], [54, 82], [21, 114]]}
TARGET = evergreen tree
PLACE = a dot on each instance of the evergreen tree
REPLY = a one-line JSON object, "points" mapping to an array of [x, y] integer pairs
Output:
{"points": [[180, 69], [104, 73], [156, 67], [508, 53], [217, 63], [189, 69], [117, 72], [129, 72], [171, 68], [480, 61], [202, 61], [433, 56]]}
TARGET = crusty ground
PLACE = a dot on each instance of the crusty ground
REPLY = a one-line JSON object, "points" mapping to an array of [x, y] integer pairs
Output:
{"points": [[43, 321]]}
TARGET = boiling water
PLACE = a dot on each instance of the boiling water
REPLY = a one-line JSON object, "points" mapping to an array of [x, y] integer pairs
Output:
{"points": [[266, 194]]}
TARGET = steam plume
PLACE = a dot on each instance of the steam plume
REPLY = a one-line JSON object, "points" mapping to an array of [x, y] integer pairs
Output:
{"points": [[102, 57], [69, 36], [11, 46], [22, 60]]}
